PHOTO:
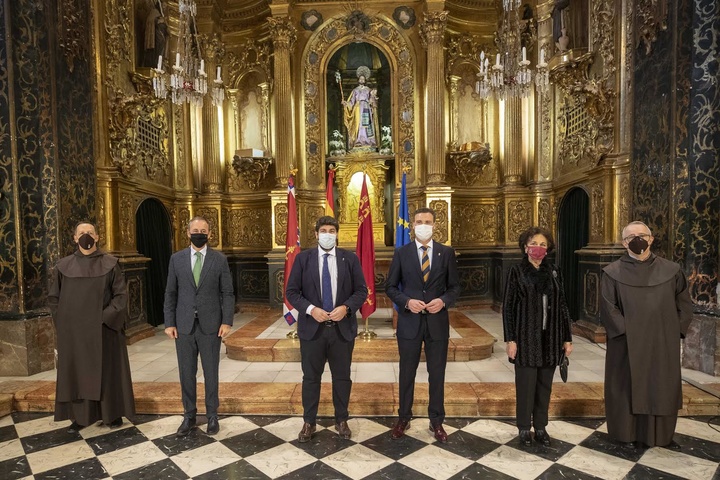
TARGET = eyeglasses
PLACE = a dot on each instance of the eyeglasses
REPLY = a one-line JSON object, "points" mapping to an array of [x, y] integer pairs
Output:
{"points": [[630, 238]]}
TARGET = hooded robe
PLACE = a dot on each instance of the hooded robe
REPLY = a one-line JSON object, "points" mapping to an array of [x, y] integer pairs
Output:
{"points": [[646, 310], [88, 301]]}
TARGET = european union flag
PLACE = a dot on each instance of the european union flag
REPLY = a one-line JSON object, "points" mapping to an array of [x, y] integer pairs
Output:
{"points": [[402, 229]]}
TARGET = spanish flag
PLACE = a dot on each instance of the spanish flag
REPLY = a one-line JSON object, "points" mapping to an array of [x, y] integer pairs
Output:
{"points": [[292, 248], [329, 197]]}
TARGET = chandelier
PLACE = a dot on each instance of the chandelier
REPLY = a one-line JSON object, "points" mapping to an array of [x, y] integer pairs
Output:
{"points": [[188, 82], [510, 75]]}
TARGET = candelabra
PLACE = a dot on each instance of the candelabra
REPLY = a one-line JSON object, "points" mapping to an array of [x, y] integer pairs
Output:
{"points": [[188, 82]]}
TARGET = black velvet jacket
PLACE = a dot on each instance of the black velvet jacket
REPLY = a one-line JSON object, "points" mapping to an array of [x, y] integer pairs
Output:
{"points": [[523, 313]]}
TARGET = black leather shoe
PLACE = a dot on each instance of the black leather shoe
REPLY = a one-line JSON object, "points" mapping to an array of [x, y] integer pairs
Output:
{"points": [[541, 436], [343, 430], [74, 428], [213, 425], [439, 432], [306, 433], [187, 424], [525, 438], [117, 423], [400, 428], [628, 445]]}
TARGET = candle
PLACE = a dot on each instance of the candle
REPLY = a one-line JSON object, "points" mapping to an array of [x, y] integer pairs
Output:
{"points": [[497, 60], [202, 67], [159, 62], [217, 77], [542, 56], [482, 56], [177, 59], [524, 54]]}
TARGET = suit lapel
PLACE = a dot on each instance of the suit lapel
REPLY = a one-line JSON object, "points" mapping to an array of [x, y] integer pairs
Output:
{"points": [[341, 274], [314, 268], [207, 263], [436, 259], [415, 260], [187, 266]]}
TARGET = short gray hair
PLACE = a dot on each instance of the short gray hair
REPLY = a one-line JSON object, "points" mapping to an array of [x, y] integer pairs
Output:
{"points": [[636, 222], [198, 218]]}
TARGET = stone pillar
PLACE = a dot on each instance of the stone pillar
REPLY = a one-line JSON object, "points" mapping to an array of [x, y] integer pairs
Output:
{"points": [[433, 36], [513, 162], [283, 35], [212, 170], [454, 100]]}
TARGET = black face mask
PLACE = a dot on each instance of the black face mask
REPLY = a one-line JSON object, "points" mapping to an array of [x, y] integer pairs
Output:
{"points": [[199, 239], [638, 245], [86, 241]]}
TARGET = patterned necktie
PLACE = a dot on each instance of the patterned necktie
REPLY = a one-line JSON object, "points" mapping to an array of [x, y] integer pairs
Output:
{"points": [[326, 286], [425, 263], [197, 268]]}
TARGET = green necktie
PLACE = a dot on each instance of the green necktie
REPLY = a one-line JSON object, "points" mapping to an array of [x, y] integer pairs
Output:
{"points": [[197, 268]]}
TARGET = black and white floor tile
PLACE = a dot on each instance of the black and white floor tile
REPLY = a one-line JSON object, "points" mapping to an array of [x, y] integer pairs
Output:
{"points": [[253, 447]]}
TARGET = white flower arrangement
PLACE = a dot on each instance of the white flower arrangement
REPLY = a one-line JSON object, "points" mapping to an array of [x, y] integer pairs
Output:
{"points": [[386, 141], [337, 144]]}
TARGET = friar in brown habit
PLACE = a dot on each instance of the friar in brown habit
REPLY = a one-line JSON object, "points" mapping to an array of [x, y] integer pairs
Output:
{"points": [[88, 301], [646, 310]]}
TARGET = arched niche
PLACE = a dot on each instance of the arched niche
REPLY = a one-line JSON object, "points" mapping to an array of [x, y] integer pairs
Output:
{"points": [[325, 41]]}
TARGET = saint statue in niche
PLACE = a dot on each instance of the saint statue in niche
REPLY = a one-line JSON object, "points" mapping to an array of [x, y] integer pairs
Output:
{"points": [[360, 114], [155, 34]]}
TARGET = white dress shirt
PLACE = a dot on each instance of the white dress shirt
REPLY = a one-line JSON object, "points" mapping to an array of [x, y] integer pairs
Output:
{"points": [[420, 252], [193, 257]]}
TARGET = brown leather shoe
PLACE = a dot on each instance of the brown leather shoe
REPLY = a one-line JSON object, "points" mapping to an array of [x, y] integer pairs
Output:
{"points": [[400, 427], [306, 433], [343, 430], [439, 432]]}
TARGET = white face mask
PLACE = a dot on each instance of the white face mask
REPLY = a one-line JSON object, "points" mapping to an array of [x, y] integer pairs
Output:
{"points": [[423, 232], [327, 240]]}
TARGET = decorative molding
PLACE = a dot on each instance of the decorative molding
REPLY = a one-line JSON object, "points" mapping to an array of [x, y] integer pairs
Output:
{"points": [[591, 294], [281, 218], [252, 56], [519, 217], [441, 220], [247, 228], [211, 214], [432, 30], [72, 31], [282, 32], [545, 214], [475, 280], [597, 213], [651, 18], [252, 169], [478, 224], [469, 165]]}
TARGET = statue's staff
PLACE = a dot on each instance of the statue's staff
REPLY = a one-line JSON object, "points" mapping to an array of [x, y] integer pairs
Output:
{"points": [[338, 80]]}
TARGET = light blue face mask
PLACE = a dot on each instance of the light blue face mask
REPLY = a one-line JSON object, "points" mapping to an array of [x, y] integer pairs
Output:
{"points": [[327, 240]]}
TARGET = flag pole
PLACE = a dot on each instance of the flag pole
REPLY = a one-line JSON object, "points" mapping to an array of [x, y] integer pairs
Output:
{"points": [[292, 248], [367, 334]]}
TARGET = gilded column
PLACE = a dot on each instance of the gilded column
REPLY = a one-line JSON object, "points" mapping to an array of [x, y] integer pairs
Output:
{"points": [[283, 35], [454, 100], [433, 36], [544, 100], [265, 119], [513, 165], [212, 171]]}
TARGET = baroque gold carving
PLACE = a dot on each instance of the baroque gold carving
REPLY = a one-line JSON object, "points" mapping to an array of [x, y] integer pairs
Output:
{"points": [[474, 280], [519, 217], [181, 172], [432, 30], [282, 32], [545, 214], [248, 228], [72, 31], [252, 56], [398, 50], [252, 170], [441, 220], [119, 38], [183, 218], [469, 165], [478, 224], [281, 219], [651, 18], [624, 196], [597, 213], [127, 221]]}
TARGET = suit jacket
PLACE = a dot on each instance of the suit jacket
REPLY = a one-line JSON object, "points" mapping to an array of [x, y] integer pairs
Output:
{"points": [[213, 299], [303, 290], [405, 283]]}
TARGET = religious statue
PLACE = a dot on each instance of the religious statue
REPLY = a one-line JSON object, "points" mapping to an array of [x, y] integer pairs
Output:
{"points": [[156, 31], [360, 114], [560, 36]]}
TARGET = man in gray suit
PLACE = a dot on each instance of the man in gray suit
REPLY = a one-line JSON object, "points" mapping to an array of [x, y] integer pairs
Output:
{"points": [[199, 309]]}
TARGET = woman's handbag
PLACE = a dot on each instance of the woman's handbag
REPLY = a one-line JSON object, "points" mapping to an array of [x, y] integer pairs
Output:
{"points": [[564, 362]]}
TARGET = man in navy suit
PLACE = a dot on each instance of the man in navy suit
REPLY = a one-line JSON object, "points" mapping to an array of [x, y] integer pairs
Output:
{"points": [[423, 282], [199, 309], [327, 287]]}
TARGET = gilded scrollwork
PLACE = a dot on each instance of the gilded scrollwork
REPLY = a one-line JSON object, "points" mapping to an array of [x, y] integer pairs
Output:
{"points": [[281, 219], [597, 213], [519, 217], [254, 283], [478, 224], [253, 55], [441, 220], [127, 221], [432, 30], [283, 32], [181, 170], [325, 39], [119, 37], [469, 165], [72, 31], [474, 281], [545, 214], [651, 18], [248, 228], [252, 170], [183, 218]]}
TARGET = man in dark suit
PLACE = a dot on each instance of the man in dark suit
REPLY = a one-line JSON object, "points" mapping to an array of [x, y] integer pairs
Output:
{"points": [[199, 309], [423, 282], [327, 287]]}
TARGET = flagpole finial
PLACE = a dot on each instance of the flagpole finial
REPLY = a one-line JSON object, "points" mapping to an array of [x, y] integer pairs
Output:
{"points": [[406, 168], [332, 167], [293, 171]]}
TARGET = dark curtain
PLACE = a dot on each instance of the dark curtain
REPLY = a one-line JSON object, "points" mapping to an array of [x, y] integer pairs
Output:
{"points": [[573, 234], [154, 240]]}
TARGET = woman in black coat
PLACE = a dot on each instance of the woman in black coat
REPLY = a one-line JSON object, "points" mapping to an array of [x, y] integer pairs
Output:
{"points": [[536, 322]]}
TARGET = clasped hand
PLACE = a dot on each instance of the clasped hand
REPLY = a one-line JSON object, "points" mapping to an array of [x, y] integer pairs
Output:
{"points": [[433, 306], [337, 314]]}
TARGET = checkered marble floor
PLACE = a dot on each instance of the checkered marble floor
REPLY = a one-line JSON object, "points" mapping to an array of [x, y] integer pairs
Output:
{"points": [[254, 447]]}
